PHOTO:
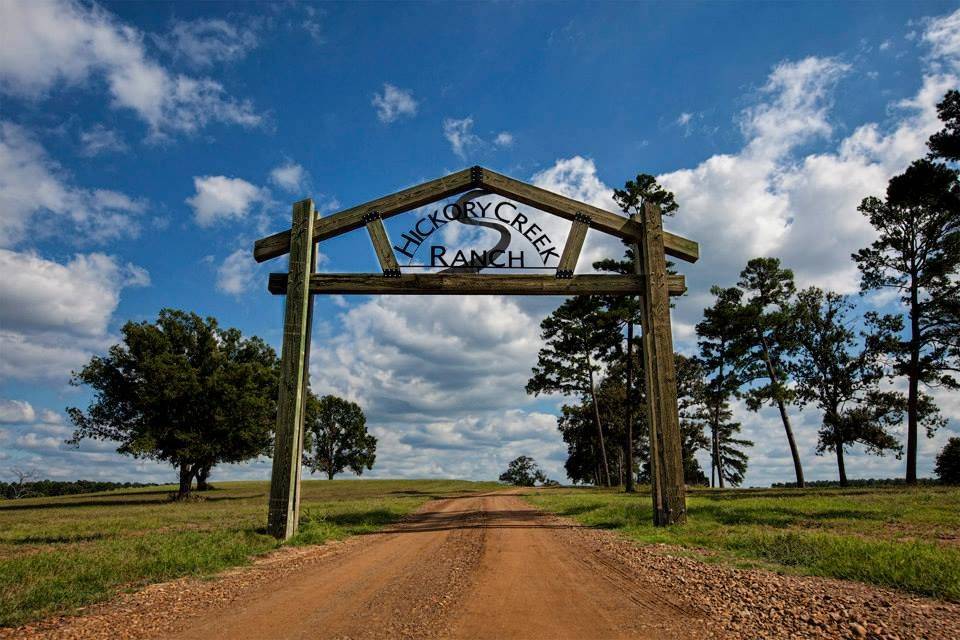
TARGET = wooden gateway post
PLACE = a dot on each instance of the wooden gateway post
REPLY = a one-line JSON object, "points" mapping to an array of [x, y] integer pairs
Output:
{"points": [[651, 284]]}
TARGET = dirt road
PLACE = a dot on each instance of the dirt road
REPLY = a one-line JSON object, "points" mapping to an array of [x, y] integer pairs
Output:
{"points": [[485, 566]]}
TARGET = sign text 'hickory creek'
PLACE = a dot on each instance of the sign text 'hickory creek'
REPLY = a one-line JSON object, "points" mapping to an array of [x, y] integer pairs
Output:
{"points": [[502, 216]]}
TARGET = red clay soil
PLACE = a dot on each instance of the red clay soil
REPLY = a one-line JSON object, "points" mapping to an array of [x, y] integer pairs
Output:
{"points": [[491, 566]]}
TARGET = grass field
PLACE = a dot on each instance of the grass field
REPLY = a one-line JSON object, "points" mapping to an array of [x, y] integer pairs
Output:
{"points": [[57, 554], [908, 539]]}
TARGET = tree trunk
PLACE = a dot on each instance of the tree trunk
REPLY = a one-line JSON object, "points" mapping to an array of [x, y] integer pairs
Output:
{"points": [[713, 457], [913, 394], [330, 474], [842, 469], [628, 445], [596, 417], [203, 473], [186, 479], [772, 372]]}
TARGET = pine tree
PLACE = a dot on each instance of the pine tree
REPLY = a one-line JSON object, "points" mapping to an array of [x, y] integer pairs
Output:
{"points": [[724, 361], [917, 253], [767, 314], [580, 335]]}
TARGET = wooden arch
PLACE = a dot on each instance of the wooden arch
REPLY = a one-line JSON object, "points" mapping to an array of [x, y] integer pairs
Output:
{"points": [[651, 284]]}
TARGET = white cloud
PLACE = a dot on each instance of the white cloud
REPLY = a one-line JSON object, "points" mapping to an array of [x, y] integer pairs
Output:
{"points": [[205, 41], [99, 139], [684, 119], [504, 139], [54, 315], [32, 184], [943, 36], [219, 198], [394, 103], [460, 136], [51, 44], [16, 411], [290, 177], [236, 274], [439, 375]]}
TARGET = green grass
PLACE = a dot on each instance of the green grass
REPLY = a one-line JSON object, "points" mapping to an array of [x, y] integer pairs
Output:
{"points": [[907, 539], [57, 554]]}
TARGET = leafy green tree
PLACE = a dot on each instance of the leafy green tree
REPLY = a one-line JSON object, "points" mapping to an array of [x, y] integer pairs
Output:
{"points": [[579, 336], [916, 254], [337, 437], [945, 144], [767, 315], [841, 378], [948, 462], [523, 472], [184, 391], [724, 361]]}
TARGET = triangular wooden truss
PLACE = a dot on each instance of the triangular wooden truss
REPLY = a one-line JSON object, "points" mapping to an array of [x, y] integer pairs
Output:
{"points": [[650, 283]]}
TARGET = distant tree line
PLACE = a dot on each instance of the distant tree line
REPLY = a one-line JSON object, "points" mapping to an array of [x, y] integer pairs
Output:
{"points": [[47, 488], [764, 342], [859, 483]]}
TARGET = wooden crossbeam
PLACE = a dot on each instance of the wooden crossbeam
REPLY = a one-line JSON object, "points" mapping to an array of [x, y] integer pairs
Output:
{"points": [[474, 284], [381, 244], [564, 207], [571, 248], [434, 190], [353, 218]]}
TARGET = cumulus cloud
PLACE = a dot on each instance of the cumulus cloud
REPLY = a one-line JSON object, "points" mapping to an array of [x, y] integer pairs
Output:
{"points": [[290, 177], [394, 103], [205, 41], [942, 34], [51, 44], [16, 411], [504, 139], [416, 363], [32, 184], [54, 315], [235, 275], [220, 198], [459, 133]]}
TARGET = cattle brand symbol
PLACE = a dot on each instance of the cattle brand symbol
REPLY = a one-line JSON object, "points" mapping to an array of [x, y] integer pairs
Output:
{"points": [[502, 216]]}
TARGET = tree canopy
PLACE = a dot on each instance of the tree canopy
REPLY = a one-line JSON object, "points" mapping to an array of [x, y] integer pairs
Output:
{"points": [[916, 254], [337, 437], [523, 471], [181, 390]]}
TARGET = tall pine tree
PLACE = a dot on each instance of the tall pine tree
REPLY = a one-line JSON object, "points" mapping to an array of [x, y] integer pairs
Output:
{"points": [[767, 315], [916, 254], [724, 361]]}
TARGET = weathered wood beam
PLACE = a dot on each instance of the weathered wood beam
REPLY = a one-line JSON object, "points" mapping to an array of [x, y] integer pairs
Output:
{"points": [[353, 218], [571, 248], [669, 490], [474, 284], [284, 479], [600, 219], [381, 244]]}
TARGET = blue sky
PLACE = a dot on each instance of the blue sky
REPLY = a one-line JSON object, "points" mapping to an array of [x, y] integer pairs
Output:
{"points": [[144, 146]]}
